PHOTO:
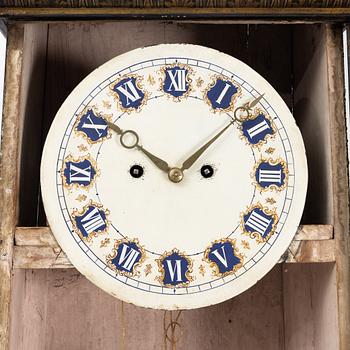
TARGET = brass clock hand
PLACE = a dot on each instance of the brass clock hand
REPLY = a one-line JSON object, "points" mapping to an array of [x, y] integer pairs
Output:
{"points": [[189, 161], [246, 107], [158, 162]]}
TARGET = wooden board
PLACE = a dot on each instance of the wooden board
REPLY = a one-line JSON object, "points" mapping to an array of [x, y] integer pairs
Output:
{"points": [[311, 110], [310, 312], [252, 320], [37, 248], [340, 179], [62, 310], [9, 172]]}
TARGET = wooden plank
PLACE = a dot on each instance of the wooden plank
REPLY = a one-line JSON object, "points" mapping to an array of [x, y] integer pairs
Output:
{"points": [[61, 309], [43, 236], [168, 3], [310, 251], [32, 105], [35, 236], [311, 111], [253, 320], [33, 257], [307, 14], [47, 257], [339, 178], [9, 171], [313, 233], [310, 307]]}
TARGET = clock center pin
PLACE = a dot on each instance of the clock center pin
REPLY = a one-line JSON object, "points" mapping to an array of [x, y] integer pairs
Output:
{"points": [[175, 175]]}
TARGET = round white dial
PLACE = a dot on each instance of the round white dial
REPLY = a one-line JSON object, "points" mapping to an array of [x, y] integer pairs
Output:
{"points": [[174, 176]]}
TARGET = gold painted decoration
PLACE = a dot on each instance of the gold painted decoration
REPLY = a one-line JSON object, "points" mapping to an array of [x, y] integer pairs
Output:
{"points": [[176, 81], [223, 257], [126, 256], [221, 94], [259, 222], [129, 93], [270, 174], [175, 269], [91, 221]]}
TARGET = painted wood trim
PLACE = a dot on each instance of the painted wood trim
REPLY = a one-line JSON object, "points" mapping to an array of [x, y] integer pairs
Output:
{"points": [[162, 3], [9, 171], [304, 14], [36, 247], [339, 178]]}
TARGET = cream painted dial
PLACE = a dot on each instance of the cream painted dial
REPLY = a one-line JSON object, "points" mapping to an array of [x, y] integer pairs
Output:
{"points": [[174, 176]]}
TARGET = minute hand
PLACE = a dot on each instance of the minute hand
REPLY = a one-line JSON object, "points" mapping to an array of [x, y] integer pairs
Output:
{"points": [[189, 161]]}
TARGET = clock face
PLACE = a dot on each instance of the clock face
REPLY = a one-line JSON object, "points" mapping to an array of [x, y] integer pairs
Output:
{"points": [[174, 176]]}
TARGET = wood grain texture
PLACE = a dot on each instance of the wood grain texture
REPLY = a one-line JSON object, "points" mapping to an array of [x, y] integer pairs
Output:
{"points": [[339, 178], [310, 251], [310, 307], [50, 257], [311, 111], [9, 171], [60, 309], [32, 104], [43, 236], [248, 15], [177, 3]]}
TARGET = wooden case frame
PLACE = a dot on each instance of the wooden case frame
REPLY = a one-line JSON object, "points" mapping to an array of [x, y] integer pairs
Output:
{"points": [[31, 248]]}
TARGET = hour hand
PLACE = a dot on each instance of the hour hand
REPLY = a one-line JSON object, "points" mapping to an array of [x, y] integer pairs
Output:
{"points": [[115, 128], [130, 139]]}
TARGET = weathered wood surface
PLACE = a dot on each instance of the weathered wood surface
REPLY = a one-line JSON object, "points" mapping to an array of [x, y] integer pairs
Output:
{"points": [[310, 307], [293, 307], [311, 111], [43, 236], [37, 247], [32, 102], [61, 309], [339, 178], [177, 3], [11, 126], [177, 12]]}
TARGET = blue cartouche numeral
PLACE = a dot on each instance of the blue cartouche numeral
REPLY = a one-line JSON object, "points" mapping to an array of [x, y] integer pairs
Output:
{"points": [[81, 173], [92, 125], [175, 267], [128, 254], [257, 129], [176, 82], [258, 221], [223, 255], [91, 222], [130, 96], [222, 94], [267, 175]]}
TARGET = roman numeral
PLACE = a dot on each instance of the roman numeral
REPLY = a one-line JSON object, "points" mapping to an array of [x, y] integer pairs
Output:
{"points": [[129, 90], [128, 257], [223, 93], [274, 176], [258, 128], [92, 221], [178, 79], [78, 174], [174, 268], [258, 223], [96, 127], [221, 256]]}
